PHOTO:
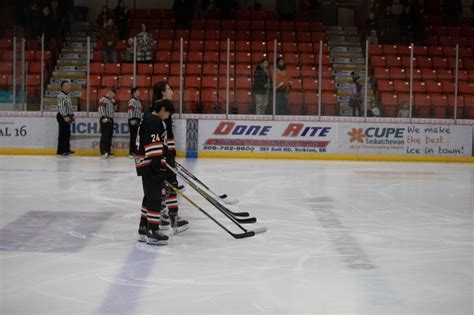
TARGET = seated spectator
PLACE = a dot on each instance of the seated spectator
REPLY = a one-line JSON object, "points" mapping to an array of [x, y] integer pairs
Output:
{"points": [[103, 17], [144, 46], [373, 110], [404, 111], [127, 55], [109, 36]]}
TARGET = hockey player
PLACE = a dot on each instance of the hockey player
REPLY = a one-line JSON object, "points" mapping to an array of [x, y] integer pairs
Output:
{"points": [[163, 92], [151, 166], [135, 113]]}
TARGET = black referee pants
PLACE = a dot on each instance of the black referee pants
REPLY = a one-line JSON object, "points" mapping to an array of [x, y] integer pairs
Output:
{"points": [[133, 135], [106, 132], [64, 135]]}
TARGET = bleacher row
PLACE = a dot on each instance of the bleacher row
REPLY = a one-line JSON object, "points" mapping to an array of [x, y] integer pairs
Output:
{"points": [[32, 62], [205, 60], [433, 79]]}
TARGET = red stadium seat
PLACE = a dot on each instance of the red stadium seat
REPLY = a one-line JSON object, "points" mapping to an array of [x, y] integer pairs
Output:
{"points": [[466, 87], [390, 50], [375, 50], [211, 57], [161, 68], [95, 81], [193, 82], [126, 68], [310, 84], [422, 105], [382, 73], [435, 51], [290, 47], [329, 103], [109, 81], [112, 68], [7, 67], [402, 86], [440, 105], [419, 86], [193, 69], [195, 56], [210, 81], [308, 59], [378, 61], [143, 81], [439, 62], [385, 85], [305, 47], [295, 102], [243, 57], [125, 81], [404, 50], [210, 68], [433, 86], [444, 74], [389, 104], [397, 73], [394, 61]]}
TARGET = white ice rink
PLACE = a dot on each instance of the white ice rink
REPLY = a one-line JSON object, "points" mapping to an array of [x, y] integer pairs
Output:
{"points": [[343, 238]]}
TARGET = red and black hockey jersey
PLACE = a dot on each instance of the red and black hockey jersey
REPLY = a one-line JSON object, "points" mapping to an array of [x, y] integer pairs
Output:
{"points": [[152, 146]]}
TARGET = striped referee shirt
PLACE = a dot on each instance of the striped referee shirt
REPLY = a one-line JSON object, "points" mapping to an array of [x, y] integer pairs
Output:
{"points": [[106, 107], [134, 108], [64, 104]]}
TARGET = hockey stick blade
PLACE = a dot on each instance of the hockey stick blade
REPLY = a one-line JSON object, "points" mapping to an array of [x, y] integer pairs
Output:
{"points": [[246, 220], [223, 196], [244, 235], [239, 214]]}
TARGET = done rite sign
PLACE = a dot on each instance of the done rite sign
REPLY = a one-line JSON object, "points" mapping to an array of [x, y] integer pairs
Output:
{"points": [[266, 137]]}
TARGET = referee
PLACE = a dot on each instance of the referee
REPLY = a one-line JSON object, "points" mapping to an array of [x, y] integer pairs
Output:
{"points": [[135, 113], [64, 117], [106, 111]]}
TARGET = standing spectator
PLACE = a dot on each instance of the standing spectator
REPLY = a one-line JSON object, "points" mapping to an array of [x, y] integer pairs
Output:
{"points": [[106, 111], [452, 10], [135, 114], [122, 18], [144, 46], [355, 100], [282, 88], [286, 9], [109, 38], [64, 117], [419, 26], [406, 27], [386, 27], [103, 17], [404, 111], [47, 26], [32, 17], [371, 24], [261, 86]]}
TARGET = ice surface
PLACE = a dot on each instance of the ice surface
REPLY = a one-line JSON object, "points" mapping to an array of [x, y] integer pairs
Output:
{"points": [[343, 238]]}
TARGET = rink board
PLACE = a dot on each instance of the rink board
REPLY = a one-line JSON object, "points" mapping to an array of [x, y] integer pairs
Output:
{"points": [[30, 133]]}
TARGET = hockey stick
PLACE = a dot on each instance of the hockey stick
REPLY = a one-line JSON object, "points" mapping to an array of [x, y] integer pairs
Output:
{"points": [[214, 202], [247, 233], [226, 199]]}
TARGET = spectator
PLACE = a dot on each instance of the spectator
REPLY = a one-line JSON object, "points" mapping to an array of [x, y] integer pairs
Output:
{"points": [[201, 7], [371, 24], [109, 36], [404, 111], [419, 26], [106, 112], [355, 100], [144, 46], [122, 18], [373, 38], [262, 84], [386, 27], [127, 55], [103, 17], [286, 9], [135, 113], [406, 27], [47, 26], [452, 10], [32, 17], [283, 86], [373, 110]]}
